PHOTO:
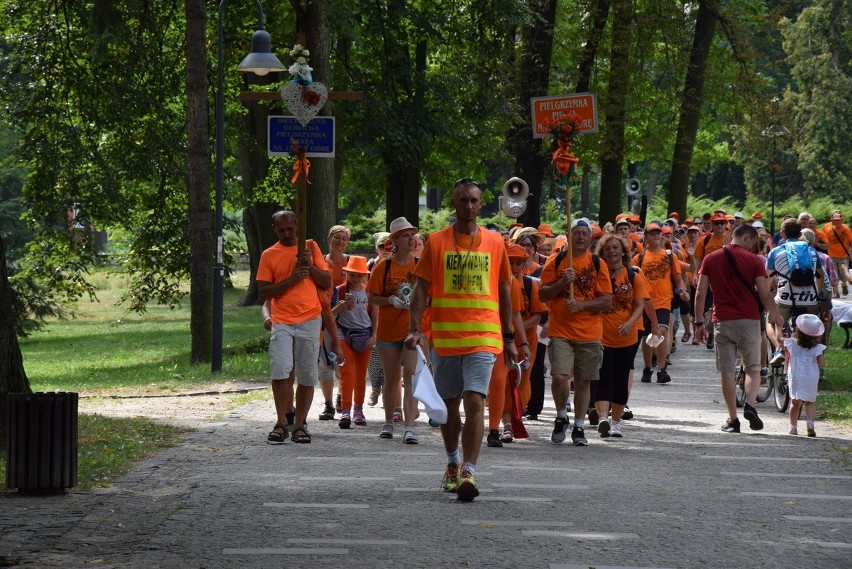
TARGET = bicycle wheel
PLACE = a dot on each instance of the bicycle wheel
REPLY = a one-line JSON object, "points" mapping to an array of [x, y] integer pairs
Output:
{"points": [[782, 392], [765, 390], [739, 379]]}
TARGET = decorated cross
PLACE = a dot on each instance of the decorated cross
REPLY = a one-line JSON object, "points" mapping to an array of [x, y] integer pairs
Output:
{"points": [[304, 98]]}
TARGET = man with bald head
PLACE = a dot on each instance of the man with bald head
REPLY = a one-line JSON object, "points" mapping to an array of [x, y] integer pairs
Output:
{"points": [[290, 280], [465, 270]]}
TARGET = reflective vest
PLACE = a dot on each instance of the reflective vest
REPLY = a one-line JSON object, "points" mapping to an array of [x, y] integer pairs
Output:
{"points": [[465, 309]]}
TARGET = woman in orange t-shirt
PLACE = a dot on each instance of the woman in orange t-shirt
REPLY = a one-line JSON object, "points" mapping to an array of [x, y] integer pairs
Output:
{"points": [[621, 325], [390, 288], [338, 241]]}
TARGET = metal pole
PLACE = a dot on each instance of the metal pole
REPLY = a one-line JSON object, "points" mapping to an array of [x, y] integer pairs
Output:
{"points": [[772, 186], [219, 266]]}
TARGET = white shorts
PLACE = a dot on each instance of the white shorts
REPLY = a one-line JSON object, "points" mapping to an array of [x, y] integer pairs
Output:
{"points": [[295, 347]]}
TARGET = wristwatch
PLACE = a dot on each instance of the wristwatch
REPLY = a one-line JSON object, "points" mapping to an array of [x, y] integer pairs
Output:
{"points": [[699, 323], [509, 336]]}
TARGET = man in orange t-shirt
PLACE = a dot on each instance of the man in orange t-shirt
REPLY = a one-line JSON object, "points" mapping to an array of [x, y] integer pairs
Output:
{"points": [[465, 271], [576, 326], [291, 281], [839, 249]]}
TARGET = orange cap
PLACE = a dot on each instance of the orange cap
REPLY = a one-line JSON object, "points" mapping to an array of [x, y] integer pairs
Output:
{"points": [[517, 252]]}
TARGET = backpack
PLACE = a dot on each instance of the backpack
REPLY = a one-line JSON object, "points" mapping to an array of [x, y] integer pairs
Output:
{"points": [[800, 264], [528, 280]]}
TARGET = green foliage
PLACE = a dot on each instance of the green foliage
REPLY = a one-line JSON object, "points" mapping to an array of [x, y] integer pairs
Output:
{"points": [[819, 48]]}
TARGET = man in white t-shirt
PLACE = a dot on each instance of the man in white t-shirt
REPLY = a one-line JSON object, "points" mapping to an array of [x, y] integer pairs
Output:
{"points": [[789, 298]]}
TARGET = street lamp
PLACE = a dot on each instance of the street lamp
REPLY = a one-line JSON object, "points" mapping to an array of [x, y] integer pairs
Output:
{"points": [[260, 61], [773, 131]]}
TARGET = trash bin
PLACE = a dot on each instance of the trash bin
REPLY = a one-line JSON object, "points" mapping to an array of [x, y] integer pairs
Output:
{"points": [[41, 443]]}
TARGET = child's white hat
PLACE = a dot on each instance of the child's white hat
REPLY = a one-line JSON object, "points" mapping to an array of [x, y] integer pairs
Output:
{"points": [[810, 324]]}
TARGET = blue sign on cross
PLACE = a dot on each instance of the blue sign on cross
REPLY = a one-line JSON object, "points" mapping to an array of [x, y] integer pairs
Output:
{"points": [[316, 137]]}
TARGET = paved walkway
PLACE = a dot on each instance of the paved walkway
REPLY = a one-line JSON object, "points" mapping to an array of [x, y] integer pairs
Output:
{"points": [[674, 492]]}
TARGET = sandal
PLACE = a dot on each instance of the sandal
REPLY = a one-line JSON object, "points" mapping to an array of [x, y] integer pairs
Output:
{"points": [[303, 438], [508, 436], [278, 435], [686, 337], [409, 437]]}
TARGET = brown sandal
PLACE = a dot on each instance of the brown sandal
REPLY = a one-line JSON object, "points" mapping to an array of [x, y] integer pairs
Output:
{"points": [[303, 438], [278, 435]]}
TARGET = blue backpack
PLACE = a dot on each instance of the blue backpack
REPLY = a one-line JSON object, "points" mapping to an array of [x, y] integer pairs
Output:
{"points": [[800, 263]]}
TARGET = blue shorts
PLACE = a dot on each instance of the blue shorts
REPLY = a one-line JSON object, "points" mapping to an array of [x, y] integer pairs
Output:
{"points": [[456, 374], [390, 345]]}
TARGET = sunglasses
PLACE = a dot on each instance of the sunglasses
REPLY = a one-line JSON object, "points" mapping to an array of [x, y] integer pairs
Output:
{"points": [[466, 182], [720, 223]]}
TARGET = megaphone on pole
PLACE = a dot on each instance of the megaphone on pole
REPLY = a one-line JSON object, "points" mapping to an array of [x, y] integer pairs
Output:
{"points": [[513, 202], [633, 187]]}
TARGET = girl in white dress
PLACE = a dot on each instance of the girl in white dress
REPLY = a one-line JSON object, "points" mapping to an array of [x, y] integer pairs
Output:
{"points": [[805, 359]]}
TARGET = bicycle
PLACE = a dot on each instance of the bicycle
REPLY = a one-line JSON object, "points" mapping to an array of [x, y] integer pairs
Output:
{"points": [[763, 392]]}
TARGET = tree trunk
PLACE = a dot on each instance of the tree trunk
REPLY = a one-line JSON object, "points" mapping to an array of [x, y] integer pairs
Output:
{"points": [[690, 108], [534, 73], [612, 156], [322, 193], [13, 378], [257, 224], [198, 184], [590, 50]]}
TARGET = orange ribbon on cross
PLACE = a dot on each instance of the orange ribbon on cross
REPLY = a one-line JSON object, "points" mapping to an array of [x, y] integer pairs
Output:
{"points": [[302, 166]]}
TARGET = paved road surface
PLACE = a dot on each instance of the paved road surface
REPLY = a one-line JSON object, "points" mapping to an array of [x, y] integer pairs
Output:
{"points": [[675, 492]]}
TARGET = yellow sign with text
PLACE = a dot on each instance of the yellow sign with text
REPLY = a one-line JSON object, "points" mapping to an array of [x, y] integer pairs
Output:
{"points": [[467, 274]]}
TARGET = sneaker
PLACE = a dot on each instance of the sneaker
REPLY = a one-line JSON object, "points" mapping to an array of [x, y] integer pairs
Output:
{"points": [[434, 424], [387, 431], [674, 347], [646, 375], [778, 358], [731, 426], [568, 407], [466, 489], [578, 437], [604, 428], [811, 432], [663, 376], [328, 413], [593, 416], [345, 421], [764, 372], [710, 342], [750, 414], [668, 361], [615, 432], [494, 438], [627, 414], [374, 398], [338, 402], [794, 430], [409, 438], [451, 478], [358, 418], [559, 427]]}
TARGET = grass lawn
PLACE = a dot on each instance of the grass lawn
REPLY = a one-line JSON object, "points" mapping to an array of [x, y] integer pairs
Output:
{"points": [[106, 348], [834, 401]]}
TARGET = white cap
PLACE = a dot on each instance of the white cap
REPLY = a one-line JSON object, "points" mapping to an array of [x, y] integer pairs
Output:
{"points": [[757, 225], [738, 214]]}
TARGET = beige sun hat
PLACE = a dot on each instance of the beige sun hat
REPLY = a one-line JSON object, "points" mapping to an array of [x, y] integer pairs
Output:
{"points": [[400, 224]]}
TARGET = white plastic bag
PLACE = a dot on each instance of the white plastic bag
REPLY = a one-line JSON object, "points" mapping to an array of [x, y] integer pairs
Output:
{"points": [[425, 391], [653, 340]]}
